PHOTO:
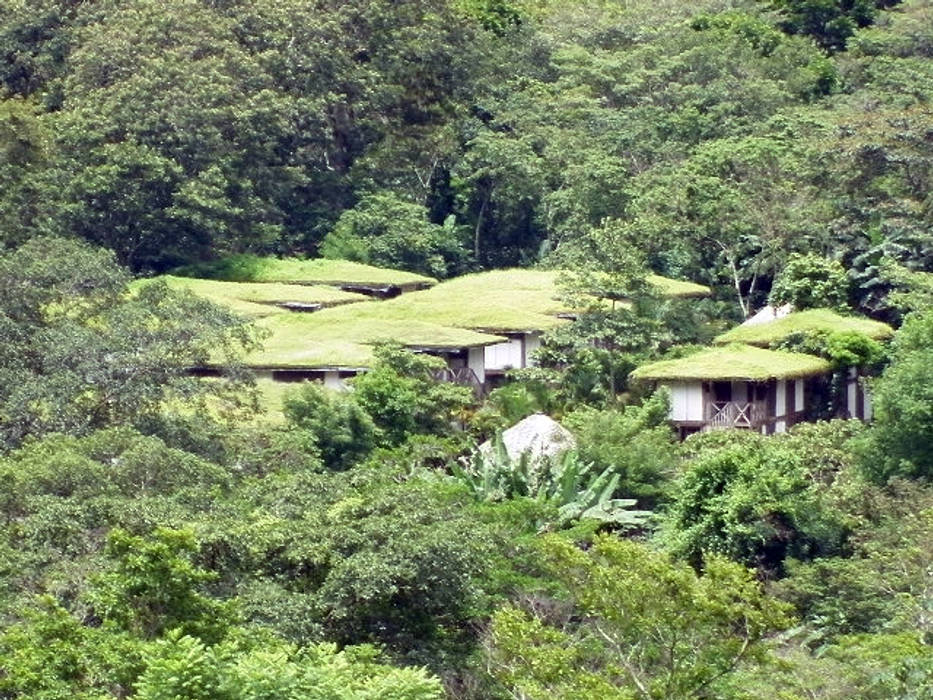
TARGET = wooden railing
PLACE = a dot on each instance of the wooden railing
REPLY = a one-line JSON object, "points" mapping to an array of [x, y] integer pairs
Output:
{"points": [[735, 414], [460, 375]]}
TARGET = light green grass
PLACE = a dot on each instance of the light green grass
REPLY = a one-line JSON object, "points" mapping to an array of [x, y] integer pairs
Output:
{"points": [[499, 301], [333, 338], [254, 299], [764, 334], [735, 362], [465, 311], [251, 268], [679, 289], [271, 394]]}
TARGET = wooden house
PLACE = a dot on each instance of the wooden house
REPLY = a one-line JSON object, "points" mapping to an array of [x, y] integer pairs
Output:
{"points": [[738, 386], [771, 327]]}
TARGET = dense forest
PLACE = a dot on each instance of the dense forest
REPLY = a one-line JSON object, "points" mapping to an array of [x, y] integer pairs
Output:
{"points": [[162, 538]]}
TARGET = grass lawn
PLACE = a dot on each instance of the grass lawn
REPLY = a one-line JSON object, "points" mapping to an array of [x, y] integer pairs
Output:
{"points": [[735, 362], [252, 268], [764, 334], [271, 394], [254, 299]]}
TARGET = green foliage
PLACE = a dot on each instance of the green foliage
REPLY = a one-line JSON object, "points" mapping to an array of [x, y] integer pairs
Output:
{"points": [[79, 354], [873, 666], [900, 441], [387, 231], [635, 443], [619, 315], [882, 587], [343, 432], [183, 667], [811, 282], [574, 489], [152, 587], [403, 398], [741, 199], [361, 557], [758, 500], [829, 22], [49, 655], [843, 349], [646, 628]]}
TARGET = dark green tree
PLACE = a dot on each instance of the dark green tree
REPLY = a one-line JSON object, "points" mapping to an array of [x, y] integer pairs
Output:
{"points": [[900, 440], [403, 398], [81, 353], [343, 432], [811, 282]]}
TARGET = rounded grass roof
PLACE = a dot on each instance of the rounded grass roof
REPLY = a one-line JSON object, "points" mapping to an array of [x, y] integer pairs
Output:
{"points": [[253, 268], [734, 363], [826, 320]]}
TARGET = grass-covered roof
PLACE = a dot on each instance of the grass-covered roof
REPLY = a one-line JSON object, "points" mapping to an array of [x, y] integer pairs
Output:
{"points": [[461, 312], [328, 339], [498, 301], [764, 334], [734, 362], [255, 299], [252, 268]]}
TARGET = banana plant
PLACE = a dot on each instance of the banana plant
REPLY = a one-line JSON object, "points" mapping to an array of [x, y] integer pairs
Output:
{"points": [[575, 488]]}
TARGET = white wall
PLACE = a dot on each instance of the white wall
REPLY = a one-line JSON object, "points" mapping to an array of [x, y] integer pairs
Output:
{"points": [[332, 380], [798, 395], [532, 343], [781, 404], [686, 401], [507, 355], [476, 360], [852, 393]]}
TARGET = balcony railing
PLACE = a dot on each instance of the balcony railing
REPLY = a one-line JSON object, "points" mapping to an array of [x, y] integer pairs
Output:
{"points": [[460, 375], [735, 414]]}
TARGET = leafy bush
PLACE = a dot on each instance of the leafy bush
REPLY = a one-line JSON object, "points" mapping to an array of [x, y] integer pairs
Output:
{"points": [[901, 439], [811, 282], [402, 397], [638, 626], [385, 230], [635, 443], [182, 666], [343, 432], [758, 500]]}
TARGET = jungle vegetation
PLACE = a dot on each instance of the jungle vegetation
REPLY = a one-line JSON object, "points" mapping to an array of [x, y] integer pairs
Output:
{"points": [[162, 538]]}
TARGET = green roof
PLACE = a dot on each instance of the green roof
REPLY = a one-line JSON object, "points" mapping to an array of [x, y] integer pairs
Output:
{"points": [[734, 362], [679, 289], [252, 268], [330, 339], [466, 311], [255, 299], [764, 334], [498, 301]]}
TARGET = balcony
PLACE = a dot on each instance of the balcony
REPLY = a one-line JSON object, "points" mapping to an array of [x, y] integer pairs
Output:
{"points": [[735, 414], [460, 375]]}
